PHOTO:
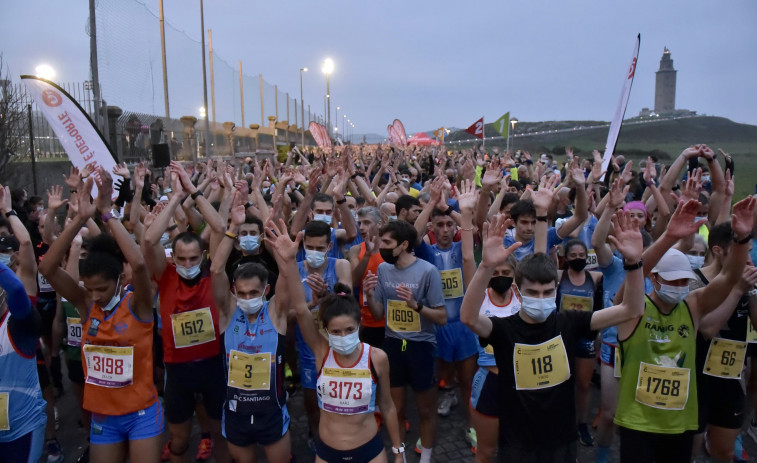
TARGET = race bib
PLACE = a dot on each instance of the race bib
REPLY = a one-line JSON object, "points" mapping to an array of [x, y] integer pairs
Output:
{"points": [[346, 391], [402, 318], [751, 335], [192, 328], [591, 260], [540, 366], [73, 330], [452, 283], [251, 372], [662, 387], [725, 358], [109, 366], [44, 285], [5, 424], [571, 302]]}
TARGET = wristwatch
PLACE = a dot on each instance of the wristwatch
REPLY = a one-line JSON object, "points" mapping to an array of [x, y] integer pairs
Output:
{"points": [[419, 307], [398, 450]]}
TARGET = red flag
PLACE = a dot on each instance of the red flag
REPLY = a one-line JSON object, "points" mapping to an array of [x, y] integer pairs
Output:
{"points": [[397, 124], [477, 129]]}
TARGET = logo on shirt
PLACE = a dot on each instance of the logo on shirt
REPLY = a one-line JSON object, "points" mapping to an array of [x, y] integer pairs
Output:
{"points": [[683, 331], [120, 327], [93, 326]]}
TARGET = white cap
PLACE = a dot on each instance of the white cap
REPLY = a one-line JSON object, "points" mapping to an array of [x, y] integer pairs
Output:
{"points": [[674, 265]]}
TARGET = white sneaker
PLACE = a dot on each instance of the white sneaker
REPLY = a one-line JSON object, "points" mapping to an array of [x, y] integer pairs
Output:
{"points": [[449, 400]]}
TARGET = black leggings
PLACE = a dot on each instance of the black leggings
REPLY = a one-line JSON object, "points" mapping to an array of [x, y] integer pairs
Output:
{"points": [[643, 447]]}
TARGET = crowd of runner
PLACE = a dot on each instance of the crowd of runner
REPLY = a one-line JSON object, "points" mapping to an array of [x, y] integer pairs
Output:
{"points": [[496, 282]]}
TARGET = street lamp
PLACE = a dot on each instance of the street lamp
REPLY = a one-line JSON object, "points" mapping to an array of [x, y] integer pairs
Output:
{"points": [[513, 121], [45, 71], [336, 126], [344, 118], [328, 68], [302, 109]]}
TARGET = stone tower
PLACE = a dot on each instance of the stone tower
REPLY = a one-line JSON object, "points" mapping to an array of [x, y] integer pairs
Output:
{"points": [[665, 85]]}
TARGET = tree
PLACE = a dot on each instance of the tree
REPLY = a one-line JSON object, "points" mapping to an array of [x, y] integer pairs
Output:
{"points": [[12, 119]]}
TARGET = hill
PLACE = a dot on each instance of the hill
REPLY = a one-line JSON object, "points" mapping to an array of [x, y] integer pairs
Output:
{"points": [[639, 137]]}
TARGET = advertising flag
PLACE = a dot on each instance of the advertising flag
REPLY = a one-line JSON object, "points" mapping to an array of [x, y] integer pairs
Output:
{"points": [[620, 111], [477, 129], [78, 135], [502, 125], [400, 129], [318, 134], [439, 133]]}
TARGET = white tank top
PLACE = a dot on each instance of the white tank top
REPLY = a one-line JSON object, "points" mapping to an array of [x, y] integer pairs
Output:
{"points": [[347, 390], [490, 309]]}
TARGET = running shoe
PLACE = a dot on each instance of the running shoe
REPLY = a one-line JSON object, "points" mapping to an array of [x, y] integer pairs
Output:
{"points": [[204, 449], [84, 458], [449, 400], [165, 455], [583, 435], [739, 452], [470, 436], [418, 446], [54, 452]]}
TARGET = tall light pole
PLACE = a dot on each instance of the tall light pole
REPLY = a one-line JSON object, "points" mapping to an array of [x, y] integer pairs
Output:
{"points": [[302, 108], [204, 82], [344, 118], [328, 68], [336, 125], [511, 133]]}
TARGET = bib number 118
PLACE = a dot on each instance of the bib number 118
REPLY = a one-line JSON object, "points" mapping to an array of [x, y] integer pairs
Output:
{"points": [[542, 365]]}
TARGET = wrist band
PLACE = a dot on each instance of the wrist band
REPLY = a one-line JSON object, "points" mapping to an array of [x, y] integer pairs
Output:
{"points": [[11, 213], [355, 175], [248, 205], [449, 210], [742, 241], [172, 228], [231, 235], [196, 194], [107, 216], [636, 266], [341, 201], [541, 218]]}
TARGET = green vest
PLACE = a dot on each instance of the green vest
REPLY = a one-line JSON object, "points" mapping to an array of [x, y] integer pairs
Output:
{"points": [[658, 388]]}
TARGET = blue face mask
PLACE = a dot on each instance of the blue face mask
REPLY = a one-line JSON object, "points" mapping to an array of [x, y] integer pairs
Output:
{"points": [[5, 259], [249, 243], [346, 344], [538, 309], [325, 218], [188, 273], [392, 218], [315, 259]]}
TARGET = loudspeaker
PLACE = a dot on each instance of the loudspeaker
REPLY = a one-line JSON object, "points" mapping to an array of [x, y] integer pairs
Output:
{"points": [[161, 156]]}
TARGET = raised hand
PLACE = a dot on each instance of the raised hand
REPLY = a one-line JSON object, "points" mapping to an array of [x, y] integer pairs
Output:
{"points": [[691, 152], [183, 176], [748, 278], [492, 176], [627, 173], [494, 251], [706, 152], [617, 194], [627, 237], [139, 175], [372, 244], [237, 213], [277, 239], [317, 284], [742, 217], [85, 208], [650, 171], [576, 174], [370, 281], [104, 191], [729, 183], [314, 178], [73, 181], [6, 204], [542, 198], [691, 188], [684, 221], [121, 170], [467, 196], [54, 198]]}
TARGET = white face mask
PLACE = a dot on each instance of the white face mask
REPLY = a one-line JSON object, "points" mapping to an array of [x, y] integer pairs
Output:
{"points": [[346, 344], [115, 299], [165, 238], [325, 218], [538, 309], [250, 306], [315, 259], [672, 294], [249, 243], [695, 261], [5, 259], [392, 218], [188, 273]]}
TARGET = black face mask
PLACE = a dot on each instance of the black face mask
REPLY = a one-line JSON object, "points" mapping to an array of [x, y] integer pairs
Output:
{"points": [[500, 284], [388, 256], [451, 179], [577, 264]]}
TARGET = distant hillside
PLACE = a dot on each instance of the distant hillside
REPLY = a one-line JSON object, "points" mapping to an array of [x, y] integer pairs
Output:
{"points": [[638, 137]]}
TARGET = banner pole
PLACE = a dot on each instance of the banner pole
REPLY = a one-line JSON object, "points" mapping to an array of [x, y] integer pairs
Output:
{"points": [[31, 146]]}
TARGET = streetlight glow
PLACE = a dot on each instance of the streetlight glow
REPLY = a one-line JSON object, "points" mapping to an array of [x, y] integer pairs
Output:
{"points": [[202, 111], [45, 71], [328, 66]]}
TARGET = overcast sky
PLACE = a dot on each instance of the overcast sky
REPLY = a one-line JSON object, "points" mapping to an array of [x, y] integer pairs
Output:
{"points": [[431, 63]]}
